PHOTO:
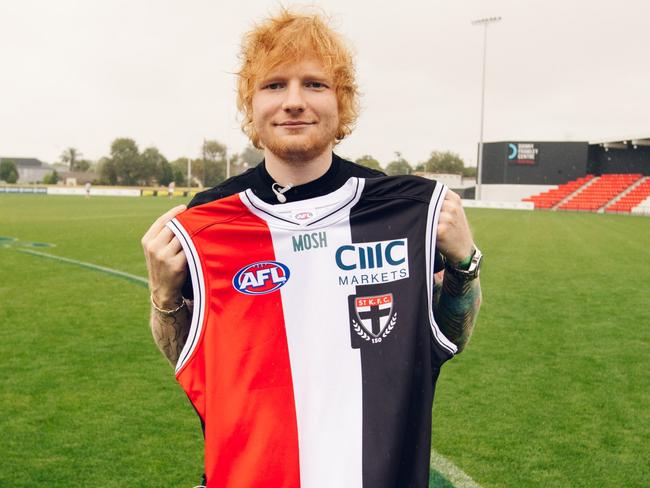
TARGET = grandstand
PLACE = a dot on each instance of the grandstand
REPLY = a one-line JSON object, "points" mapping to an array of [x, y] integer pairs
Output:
{"points": [[637, 198], [553, 197], [612, 177], [619, 193]]}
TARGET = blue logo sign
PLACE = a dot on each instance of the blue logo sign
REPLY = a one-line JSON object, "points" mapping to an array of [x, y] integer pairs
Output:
{"points": [[371, 255], [513, 151], [369, 263], [261, 278]]}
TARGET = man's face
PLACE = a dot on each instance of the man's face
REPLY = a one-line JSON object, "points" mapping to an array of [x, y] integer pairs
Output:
{"points": [[295, 111]]}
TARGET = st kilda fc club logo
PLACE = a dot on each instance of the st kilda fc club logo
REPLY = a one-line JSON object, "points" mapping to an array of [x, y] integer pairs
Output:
{"points": [[372, 318]]}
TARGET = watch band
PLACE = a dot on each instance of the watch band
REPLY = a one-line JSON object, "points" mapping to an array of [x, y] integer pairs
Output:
{"points": [[468, 272], [465, 263]]}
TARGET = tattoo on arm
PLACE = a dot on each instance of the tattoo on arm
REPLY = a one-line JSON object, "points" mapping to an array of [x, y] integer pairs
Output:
{"points": [[455, 306], [170, 331]]}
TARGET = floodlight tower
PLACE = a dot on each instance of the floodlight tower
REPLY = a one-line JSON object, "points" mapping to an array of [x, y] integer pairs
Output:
{"points": [[479, 177]]}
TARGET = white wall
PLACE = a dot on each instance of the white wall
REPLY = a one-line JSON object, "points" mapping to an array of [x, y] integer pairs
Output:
{"points": [[511, 193], [642, 208], [29, 174], [451, 180], [501, 205]]}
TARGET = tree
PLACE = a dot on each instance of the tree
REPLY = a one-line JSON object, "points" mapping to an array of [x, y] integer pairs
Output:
{"points": [[126, 158], [248, 158], [442, 162], [213, 150], [154, 165], [107, 171], [369, 162], [8, 171], [71, 157], [165, 173], [179, 168], [82, 165], [399, 166], [51, 178], [179, 176], [251, 156], [469, 172], [211, 168]]}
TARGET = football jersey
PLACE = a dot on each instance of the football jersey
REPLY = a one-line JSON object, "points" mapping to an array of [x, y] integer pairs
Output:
{"points": [[313, 351]]}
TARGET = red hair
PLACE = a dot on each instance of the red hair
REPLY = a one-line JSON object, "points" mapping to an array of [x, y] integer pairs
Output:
{"points": [[292, 37]]}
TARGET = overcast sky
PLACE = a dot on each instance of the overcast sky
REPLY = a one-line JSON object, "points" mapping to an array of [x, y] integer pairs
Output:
{"points": [[82, 72]]}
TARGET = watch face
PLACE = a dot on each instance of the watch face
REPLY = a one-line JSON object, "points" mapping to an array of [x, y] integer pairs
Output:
{"points": [[476, 262]]}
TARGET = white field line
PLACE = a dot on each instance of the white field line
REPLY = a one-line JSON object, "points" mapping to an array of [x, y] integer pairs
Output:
{"points": [[453, 473], [114, 272], [444, 466]]}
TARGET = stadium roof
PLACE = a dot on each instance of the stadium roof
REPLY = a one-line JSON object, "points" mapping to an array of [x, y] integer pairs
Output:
{"points": [[629, 143]]}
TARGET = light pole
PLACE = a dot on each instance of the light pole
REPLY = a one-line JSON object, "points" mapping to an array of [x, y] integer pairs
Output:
{"points": [[479, 177]]}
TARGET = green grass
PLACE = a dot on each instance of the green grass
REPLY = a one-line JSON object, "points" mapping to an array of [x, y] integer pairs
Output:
{"points": [[86, 398], [553, 390]]}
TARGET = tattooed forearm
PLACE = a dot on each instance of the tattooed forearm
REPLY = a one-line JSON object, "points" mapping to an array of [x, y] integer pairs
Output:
{"points": [[456, 305], [170, 331]]}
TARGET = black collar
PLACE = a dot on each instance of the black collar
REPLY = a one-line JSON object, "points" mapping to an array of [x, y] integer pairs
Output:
{"points": [[332, 180]]}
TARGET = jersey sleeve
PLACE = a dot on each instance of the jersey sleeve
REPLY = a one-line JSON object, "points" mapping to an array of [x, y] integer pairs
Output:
{"points": [[442, 344], [188, 290], [197, 281]]}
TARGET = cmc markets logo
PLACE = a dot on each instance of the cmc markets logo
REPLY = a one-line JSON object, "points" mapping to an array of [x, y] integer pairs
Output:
{"points": [[372, 262], [261, 278]]}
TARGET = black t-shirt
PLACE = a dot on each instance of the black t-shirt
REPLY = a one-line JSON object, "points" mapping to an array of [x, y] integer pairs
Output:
{"points": [[261, 183]]}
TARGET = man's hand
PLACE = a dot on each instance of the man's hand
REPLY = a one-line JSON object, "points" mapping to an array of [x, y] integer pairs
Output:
{"points": [[166, 262], [454, 239]]}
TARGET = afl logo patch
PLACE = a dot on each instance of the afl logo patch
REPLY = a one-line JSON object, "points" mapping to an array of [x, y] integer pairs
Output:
{"points": [[261, 278]]}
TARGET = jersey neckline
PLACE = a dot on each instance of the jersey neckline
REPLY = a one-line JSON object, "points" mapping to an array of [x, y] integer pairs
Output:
{"points": [[279, 214]]}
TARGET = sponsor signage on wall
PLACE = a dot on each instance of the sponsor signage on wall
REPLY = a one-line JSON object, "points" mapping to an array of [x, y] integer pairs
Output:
{"points": [[104, 192], [523, 153], [22, 189]]}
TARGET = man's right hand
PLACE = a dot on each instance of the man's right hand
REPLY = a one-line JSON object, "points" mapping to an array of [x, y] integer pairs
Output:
{"points": [[166, 262]]}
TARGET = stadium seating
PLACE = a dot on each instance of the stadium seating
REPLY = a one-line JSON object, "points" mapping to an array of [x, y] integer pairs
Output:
{"points": [[601, 192], [552, 197], [631, 199], [591, 193]]}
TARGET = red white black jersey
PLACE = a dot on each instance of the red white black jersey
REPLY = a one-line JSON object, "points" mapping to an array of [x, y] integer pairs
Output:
{"points": [[313, 351]]}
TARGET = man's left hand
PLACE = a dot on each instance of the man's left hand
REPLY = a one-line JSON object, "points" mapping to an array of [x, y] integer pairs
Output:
{"points": [[454, 239]]}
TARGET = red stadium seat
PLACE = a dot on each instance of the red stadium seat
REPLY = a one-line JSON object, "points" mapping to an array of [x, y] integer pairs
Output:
{"points": [[602, 191]]}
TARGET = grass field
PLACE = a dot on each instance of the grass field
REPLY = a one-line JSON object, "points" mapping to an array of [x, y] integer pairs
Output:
{"points": [[553, 390]]}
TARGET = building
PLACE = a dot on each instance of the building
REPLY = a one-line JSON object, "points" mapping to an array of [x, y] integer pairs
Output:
{"points": [[30, 170]]}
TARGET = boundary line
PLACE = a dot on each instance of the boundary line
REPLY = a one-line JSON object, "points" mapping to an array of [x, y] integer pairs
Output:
{"points": [[130, 277], [456, 476]]}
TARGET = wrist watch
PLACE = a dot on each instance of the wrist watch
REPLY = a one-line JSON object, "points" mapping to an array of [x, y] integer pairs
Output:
{"points": [[474, 266]]}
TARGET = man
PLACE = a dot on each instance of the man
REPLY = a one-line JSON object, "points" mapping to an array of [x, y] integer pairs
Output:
{"points": [[312, 336]]}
